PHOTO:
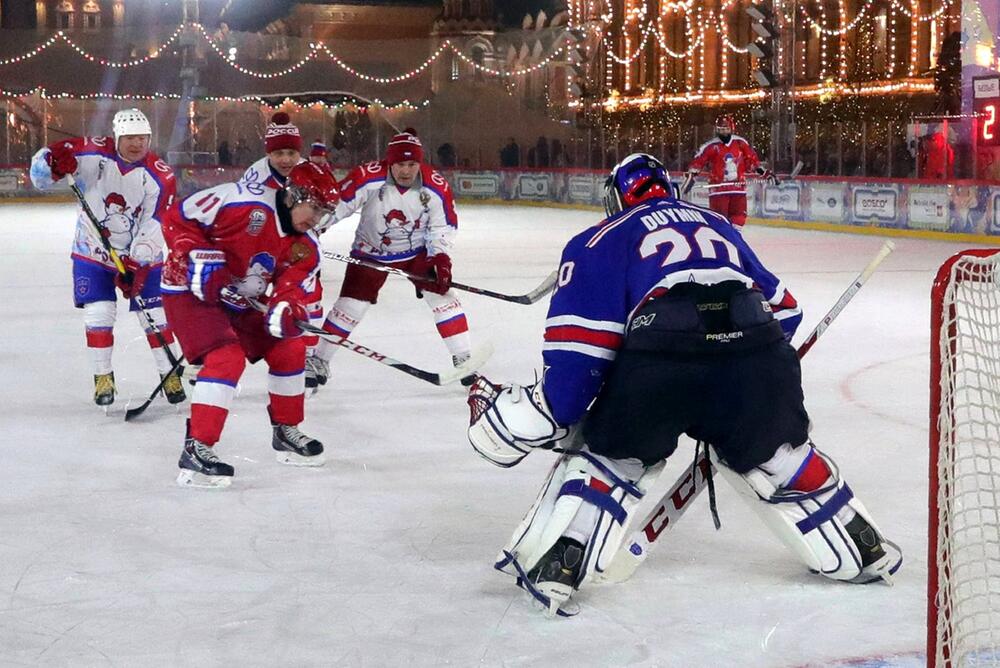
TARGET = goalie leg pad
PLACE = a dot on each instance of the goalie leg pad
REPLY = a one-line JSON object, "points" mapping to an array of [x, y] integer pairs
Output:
{"points": [[828, 528], [585, 496]]}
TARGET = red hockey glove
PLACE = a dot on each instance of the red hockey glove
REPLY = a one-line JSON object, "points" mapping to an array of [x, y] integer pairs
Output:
{"points": [[134, 278], [62, 160], [283, 318], [208, 274], [441, 264], [768, 175]]}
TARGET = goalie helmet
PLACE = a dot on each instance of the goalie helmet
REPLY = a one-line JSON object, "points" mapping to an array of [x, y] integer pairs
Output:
{"points": [[130, 122], [725, 126], [308, 182], [635, 179]]}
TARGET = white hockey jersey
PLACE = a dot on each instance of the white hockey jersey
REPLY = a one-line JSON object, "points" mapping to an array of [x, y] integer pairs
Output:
{"points": [[397, 223], [128, 199]]}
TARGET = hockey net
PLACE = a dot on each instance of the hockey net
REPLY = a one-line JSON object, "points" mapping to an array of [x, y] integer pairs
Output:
{"points": [[963, 588]]}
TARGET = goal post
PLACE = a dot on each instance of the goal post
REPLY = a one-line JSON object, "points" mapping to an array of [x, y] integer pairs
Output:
{"points": [[963, 555]]}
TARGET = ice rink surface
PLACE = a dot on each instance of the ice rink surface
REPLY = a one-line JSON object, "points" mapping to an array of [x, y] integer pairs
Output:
{"points": [[384, 556]]}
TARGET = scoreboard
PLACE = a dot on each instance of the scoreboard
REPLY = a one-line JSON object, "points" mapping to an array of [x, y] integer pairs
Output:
{"points": [[986, 106]]}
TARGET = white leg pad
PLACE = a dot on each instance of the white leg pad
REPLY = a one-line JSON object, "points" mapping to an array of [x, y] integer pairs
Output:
{"points": [[811, 524], [585, 495]]}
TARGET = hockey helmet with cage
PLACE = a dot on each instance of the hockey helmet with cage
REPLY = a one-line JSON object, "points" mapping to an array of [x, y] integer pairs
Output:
{"points": [[635, 179], [130, 122], [725, 126], [308, 182]]}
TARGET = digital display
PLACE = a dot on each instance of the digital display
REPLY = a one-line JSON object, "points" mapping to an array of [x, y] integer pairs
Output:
{"points": [[986, 106]]}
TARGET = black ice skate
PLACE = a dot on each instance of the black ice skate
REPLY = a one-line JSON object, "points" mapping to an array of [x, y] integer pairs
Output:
{"points": [[459, 360], [200, 467], [880, 559], [317, 372], [295, 448], [104, 389], [173, 389], [558, 573]]}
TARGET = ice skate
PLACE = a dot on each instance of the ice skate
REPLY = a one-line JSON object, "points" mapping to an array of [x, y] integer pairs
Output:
{"points": [[880, 559], [200, 467], [317, 372], [556, 575], [104, 389], [191, 373], [459, 360], [173, 389], [295, 448]]}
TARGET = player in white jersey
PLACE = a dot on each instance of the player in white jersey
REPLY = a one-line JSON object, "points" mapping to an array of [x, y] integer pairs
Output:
{"points": [[128, 188], [283, 144], [408, 221]]}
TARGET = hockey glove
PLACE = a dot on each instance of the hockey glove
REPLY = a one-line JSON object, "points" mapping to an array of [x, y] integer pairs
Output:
{"points": [[233, 300], [688, 182], [441, 264], [208, 274], [283, 318], [768, 176], [134, 278], [506, 422], [62, 160]]}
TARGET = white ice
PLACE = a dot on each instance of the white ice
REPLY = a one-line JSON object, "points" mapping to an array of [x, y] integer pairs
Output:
{"points": [[384, 556]]}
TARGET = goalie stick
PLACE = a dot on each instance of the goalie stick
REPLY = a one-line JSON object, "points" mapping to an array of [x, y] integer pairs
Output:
{"points": [[544, 288], [466, 368], [635, 549]]}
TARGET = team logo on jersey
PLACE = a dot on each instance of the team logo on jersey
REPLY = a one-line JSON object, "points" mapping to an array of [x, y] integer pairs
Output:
{"points": [[256, 224], [397, 227], [118, 220], [299, 251], [260, 271]]}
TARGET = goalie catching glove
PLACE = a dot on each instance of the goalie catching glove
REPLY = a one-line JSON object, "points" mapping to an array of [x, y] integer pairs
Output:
{"points": [[506, 422]]}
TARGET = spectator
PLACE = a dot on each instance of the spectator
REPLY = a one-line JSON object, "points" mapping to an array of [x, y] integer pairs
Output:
{"points": [[242, 156], [510, 155], [558, 157], [225, 157], [936, 158], [542, 152], [446, 155]]}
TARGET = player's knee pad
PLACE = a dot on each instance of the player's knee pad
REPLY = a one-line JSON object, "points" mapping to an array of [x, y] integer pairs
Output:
{"points": [[345, 314], [98, 315], [508, 421], [827, 527], [584, 496]]}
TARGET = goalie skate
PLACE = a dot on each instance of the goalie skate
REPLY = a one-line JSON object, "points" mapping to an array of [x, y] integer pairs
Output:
{"points": [[295, 448], [556, 576]]}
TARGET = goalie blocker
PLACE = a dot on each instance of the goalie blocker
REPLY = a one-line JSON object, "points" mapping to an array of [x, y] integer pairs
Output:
{"points": [[704, 351]]}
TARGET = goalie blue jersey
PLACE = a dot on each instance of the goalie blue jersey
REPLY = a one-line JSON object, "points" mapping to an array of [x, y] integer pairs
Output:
{"points": [[608, 271]]}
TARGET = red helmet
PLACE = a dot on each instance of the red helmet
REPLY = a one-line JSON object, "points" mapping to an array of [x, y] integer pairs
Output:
{"points": [[309, 182], [725, 124]]}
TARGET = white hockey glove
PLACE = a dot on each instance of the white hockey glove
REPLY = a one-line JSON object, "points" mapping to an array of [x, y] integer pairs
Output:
{"points": [[506, 422]]}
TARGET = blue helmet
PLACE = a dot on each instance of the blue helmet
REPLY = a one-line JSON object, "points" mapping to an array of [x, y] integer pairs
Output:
{"points": [[635, 179]]}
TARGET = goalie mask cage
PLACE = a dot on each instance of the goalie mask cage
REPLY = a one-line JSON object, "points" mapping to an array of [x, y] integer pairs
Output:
{"points": [[963, 563]]}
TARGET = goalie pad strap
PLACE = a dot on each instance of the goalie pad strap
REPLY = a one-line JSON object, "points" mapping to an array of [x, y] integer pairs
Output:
{"points": [[595, 497], [827, 511], [616, 479]]}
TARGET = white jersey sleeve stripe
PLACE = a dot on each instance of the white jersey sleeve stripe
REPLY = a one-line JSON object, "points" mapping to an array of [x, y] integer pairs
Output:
{"points": [[599, 325]]}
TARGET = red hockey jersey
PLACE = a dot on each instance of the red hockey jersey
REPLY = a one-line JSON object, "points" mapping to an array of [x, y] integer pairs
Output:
{"points": [[245, 226], [726, 163]]}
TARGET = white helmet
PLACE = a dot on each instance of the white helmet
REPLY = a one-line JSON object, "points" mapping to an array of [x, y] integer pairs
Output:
{"points": [[130, 122]]}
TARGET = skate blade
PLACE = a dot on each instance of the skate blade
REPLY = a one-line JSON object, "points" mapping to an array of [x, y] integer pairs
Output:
{"points": [[189, 478], [294, 459], [559, 599]]}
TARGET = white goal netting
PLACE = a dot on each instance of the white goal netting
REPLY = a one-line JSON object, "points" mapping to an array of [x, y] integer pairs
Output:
{"points": [[964, 611]]}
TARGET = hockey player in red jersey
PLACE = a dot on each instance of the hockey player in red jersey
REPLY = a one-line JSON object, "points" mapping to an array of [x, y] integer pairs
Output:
{"points": [[408, 221], [727, 158], [129, 189], [227, 246]]}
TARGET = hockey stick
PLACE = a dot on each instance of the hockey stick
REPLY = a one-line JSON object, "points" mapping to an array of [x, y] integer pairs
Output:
{"points": [[742, 184], [99, 230], [139, 410], [544, 288], [679, 497], [466, 368]]}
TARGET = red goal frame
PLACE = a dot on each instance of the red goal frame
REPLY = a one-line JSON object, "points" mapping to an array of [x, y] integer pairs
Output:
{"points": [[941, 284]]}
